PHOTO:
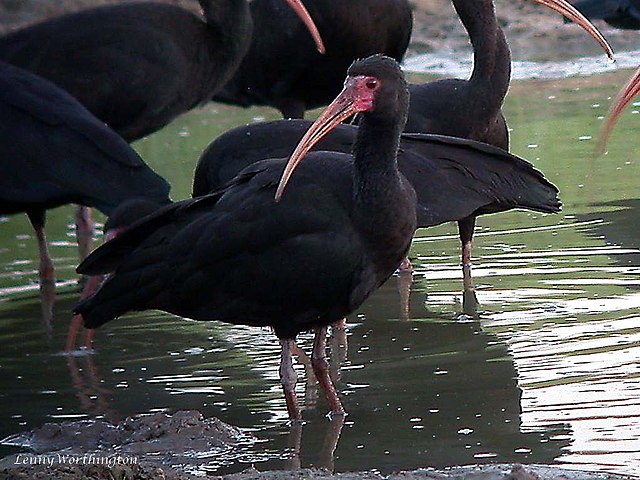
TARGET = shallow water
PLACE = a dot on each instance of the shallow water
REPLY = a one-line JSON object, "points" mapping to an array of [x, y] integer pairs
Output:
{"points": [[458, 65], [547, 372]]}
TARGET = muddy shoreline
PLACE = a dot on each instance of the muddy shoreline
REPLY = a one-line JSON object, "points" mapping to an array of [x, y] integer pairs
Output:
{"points": [[162, 446]]}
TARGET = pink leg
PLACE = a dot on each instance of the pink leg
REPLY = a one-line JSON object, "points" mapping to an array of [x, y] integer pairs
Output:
{"points": [[311, 385], [466, 227], [289, 378], [467, 281], [321, 369], [405, 265], [74, 326], [469, 299], [89, 289], [339, 347], [84, 230], [405, 279], [46, 270], [339, 325], [88, 338]]}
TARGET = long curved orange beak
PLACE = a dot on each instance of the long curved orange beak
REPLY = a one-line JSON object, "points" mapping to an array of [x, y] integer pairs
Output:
{"points": [[302, 12], [626, 94], [349, 101], [565, 8]]}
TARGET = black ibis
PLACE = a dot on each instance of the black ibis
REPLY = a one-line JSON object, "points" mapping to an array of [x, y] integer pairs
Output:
{"points": [[55, 152], [137, 66], [473, 108], [463, 108], [622, 100], [298, 262], [282, 69], [624, 14]]}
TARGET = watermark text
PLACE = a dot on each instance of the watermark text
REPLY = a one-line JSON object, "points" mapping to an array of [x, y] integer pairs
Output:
{"points": [[50, 460]]}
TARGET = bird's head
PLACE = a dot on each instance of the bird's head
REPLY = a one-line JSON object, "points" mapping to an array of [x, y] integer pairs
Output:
{"points": [[375, 87], [127, 214]]}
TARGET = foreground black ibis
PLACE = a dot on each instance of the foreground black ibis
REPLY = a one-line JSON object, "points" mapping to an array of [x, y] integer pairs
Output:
{"points": [[137, 66], [297, 263], [282, 69], [622, 100], [473, 108], [54, 152], [624, 14]]}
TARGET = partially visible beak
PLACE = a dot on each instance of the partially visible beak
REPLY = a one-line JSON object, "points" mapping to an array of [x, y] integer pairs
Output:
{"points": [[303, 13], [623, 99], [339, 110], [569, 11], [113, 233]]}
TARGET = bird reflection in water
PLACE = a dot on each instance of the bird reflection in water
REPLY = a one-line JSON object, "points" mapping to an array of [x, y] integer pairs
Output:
{"points": [[325, 457], [89, 387]]}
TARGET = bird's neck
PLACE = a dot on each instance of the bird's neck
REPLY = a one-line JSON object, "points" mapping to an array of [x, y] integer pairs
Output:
{"points": [[230, 26], [376, 175], [384, 202], [375, 151], [491, 55]]}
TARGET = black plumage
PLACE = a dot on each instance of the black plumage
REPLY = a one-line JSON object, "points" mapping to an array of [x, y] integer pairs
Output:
{"points": [[137, 66], [472, 108], [340, 230], [54, 152], [469, 108], [624, 14], [453, 178], [282, 69]]}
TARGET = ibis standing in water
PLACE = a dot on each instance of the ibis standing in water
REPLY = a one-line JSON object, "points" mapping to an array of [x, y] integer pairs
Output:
{"points": [[473, 108], [54, 152], [463, 108], [137, 66], [282, 68], [299, 261]]}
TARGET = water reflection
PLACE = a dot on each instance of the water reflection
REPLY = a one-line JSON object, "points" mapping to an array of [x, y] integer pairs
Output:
{"points": [[88, 385], [463, 404], [619, 226]]}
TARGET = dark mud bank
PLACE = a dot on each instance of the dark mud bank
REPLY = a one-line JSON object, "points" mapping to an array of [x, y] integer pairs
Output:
{"points": [[162, 446]]}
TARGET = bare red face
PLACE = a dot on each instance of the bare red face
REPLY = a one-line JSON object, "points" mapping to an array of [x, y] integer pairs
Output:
{"points": [[358, 95], [362, 90]]}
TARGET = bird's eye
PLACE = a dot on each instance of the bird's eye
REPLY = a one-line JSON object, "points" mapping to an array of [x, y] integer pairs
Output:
{"points": [[371, 84]]}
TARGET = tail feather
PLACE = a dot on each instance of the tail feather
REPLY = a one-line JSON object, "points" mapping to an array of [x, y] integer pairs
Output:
{"points": [[472, 178], [118, 295]]}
